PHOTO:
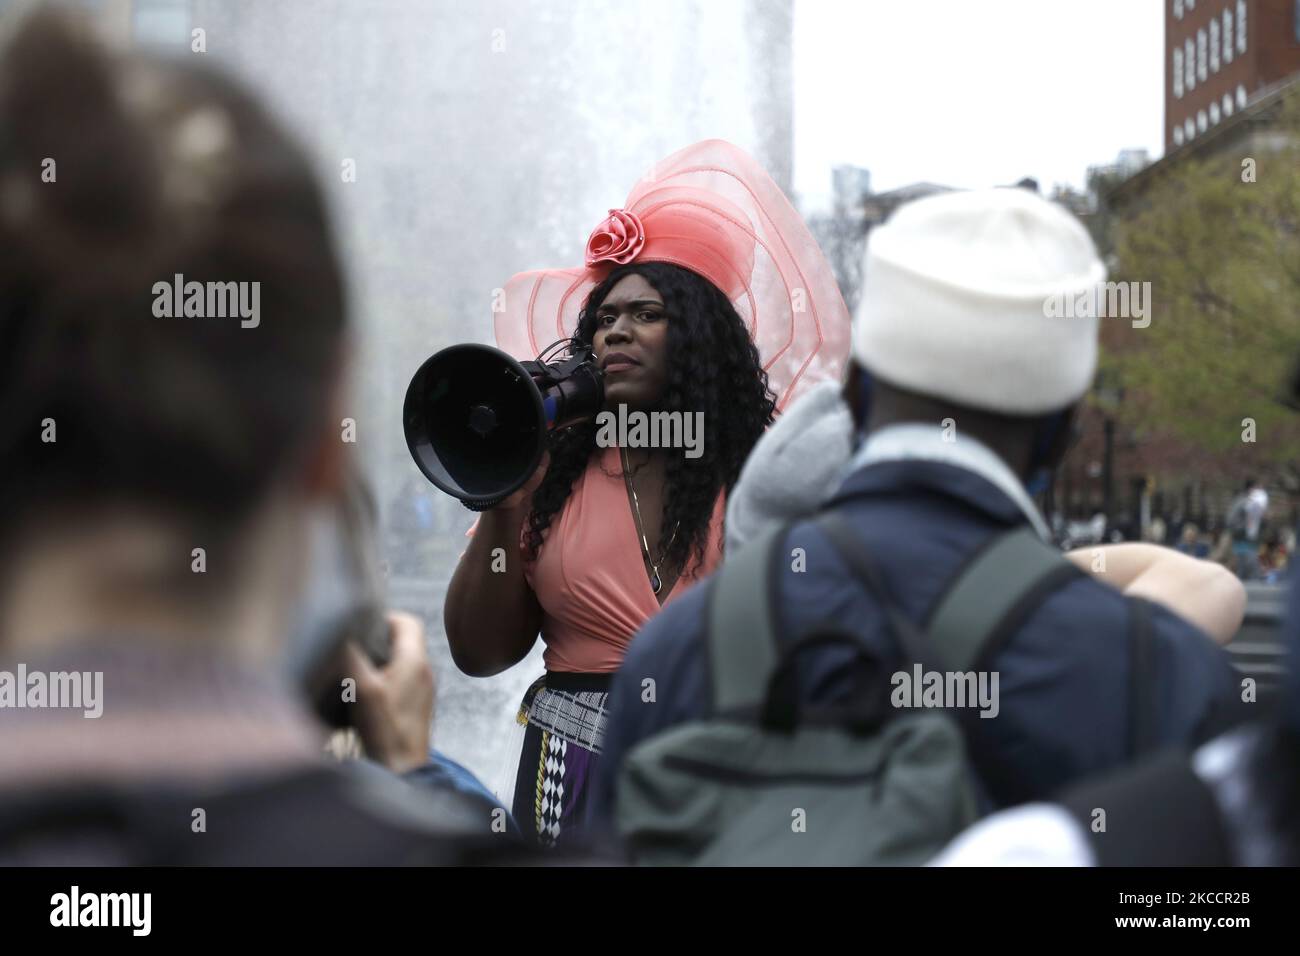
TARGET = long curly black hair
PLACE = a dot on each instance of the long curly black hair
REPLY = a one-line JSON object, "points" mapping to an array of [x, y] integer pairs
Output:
{"points": [[713, 368]]}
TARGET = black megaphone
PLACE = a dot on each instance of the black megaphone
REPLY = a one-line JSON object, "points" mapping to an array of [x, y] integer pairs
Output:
{"points": [[477, 421]]}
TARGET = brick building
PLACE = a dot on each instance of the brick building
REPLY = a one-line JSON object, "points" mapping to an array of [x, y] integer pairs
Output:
{"points": [[1220, 56], [1230, 66]]}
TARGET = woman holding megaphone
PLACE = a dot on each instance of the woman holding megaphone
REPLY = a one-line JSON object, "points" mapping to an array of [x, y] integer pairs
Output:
{"points": [[704, 294]]}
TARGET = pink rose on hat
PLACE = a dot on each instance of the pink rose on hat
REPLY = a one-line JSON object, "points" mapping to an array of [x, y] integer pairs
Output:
{"points": [[618, 239]]}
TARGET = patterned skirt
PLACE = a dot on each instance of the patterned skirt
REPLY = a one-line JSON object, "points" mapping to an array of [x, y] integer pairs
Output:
{"points": [[565, 716]]}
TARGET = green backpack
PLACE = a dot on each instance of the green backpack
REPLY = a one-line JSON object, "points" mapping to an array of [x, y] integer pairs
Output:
{"points": [[764, 781]]}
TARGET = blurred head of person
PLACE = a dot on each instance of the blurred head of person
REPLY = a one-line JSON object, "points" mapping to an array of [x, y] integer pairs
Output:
{"points": [[171, 348], [980, 307]]}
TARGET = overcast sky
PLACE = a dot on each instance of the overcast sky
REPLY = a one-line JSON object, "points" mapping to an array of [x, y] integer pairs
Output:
{"points": [[972, 94]]}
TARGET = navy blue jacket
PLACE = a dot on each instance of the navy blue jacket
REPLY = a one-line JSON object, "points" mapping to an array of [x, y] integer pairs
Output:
{"points": [[1063, 675]]}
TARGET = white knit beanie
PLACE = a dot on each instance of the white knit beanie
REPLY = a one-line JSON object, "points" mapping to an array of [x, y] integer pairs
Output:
{"points": [[955, 301]]}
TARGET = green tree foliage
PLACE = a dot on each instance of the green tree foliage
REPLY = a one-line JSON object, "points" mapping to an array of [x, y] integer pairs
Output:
{"points": [[1222, 255]]}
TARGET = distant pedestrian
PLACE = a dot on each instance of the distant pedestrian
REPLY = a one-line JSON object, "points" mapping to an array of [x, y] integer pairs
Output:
{"points": [[1245, 516]]}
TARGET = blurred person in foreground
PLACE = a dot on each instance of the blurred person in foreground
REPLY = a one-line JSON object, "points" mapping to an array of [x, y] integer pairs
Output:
{"points": [[162, 470]]}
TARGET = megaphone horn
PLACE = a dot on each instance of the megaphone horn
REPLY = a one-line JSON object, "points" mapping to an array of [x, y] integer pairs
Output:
{"points": [[477, 421]]}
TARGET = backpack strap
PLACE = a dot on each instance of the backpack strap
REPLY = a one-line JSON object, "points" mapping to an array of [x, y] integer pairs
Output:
{"points": [[1159, 813], [912, 641], [985, 601], [743, 622], [990, 597], [1002, 585], [983, 605]]}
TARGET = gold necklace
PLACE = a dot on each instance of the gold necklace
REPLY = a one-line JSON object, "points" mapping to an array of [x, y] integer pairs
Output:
{"points": [[656, 582]]}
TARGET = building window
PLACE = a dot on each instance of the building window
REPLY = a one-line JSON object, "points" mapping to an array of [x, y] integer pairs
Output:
{"points": [[1241, 26], [1241, 97], [1201, 72], [1189, 129], [1178, 73], [1178, 136], [1202, 122], [1227, 104], [1227, 35], [1189, 65], [1178, 9], [1214, 45], [1191, 4], [1214, 114]]}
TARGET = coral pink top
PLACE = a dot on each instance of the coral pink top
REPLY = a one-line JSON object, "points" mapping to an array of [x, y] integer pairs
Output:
{"points": [[590, 578]]}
